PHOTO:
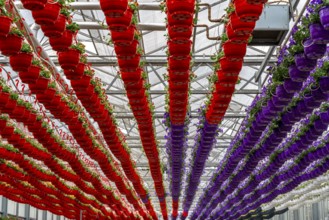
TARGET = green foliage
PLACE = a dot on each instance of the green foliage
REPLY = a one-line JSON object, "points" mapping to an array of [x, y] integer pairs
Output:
{"points": [[324, 107], [73, 27], [321, 72], [140, 50], [6, 89], [20, 102], [3, 11], [89, 72], [163, 7], [212, 79], [134, 20], [45, 73], [280, 74], [36, 62], [39, 117], [302, 33], [295, 49], [218, 56], [28, 105], [83, 59], [2, 3], [250, 39], [288, 61], [224, 38], [15, 31], [26, 48], [14, 96], [66, 12], [52, 85], [79, 47], [230, 9], [133, 6], [137, 36]]}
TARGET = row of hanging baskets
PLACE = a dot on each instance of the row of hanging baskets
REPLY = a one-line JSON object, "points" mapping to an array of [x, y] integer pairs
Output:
{"points": [[22, 59], [121, 20], [242, 15]]}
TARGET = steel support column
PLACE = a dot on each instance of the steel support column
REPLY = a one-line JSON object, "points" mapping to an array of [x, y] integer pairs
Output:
{"points": [[264, 63], [193, 92], [4, 206], [27, 212]]}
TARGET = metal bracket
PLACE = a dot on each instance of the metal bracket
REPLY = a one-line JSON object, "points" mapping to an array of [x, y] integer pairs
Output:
{"points": [[219, 20], [207, 29]]}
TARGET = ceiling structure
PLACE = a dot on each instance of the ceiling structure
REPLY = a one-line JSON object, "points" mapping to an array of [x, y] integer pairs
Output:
{"points": [[152, 26]]}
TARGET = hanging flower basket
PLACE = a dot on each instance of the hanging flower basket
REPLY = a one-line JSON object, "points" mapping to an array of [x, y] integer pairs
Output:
{"points": [[174, 22], [181, 9], [77, 73], [303, 63], [48, 15], [314, 51], [139, 93], [40, 86], [319, 35], [10, 45], [217, 112], [227, 76], [114, 8], [7, 132], [120, 24], [69, 59], [234, 38], [18, 113], [132, 76], [31, 75], [247, 12], [256, 2], [234, 52], [82, 83], [177, 49], [34, 5], [179, 76], [63, 42], [324, 17], [324, 84], [179, 64], [134, 85], [5, 23], [20, 62], [126, 51], [123, 38], [291, 86], [297, 75], [230, 66], [178, 85], [225, 87], [180, 31], [56, 29], [241, 27], [130, 64]]}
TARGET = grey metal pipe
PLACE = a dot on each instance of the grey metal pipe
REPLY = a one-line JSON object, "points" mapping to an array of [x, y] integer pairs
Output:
{"points": [[208, 6], [207, 31], [137, 138], [142, 26], [249, 61], [96, 6], [160, 116], [193, 92]]}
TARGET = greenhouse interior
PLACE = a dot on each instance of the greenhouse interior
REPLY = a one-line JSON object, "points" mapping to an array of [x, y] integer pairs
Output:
{"points": [[164, 109]]}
